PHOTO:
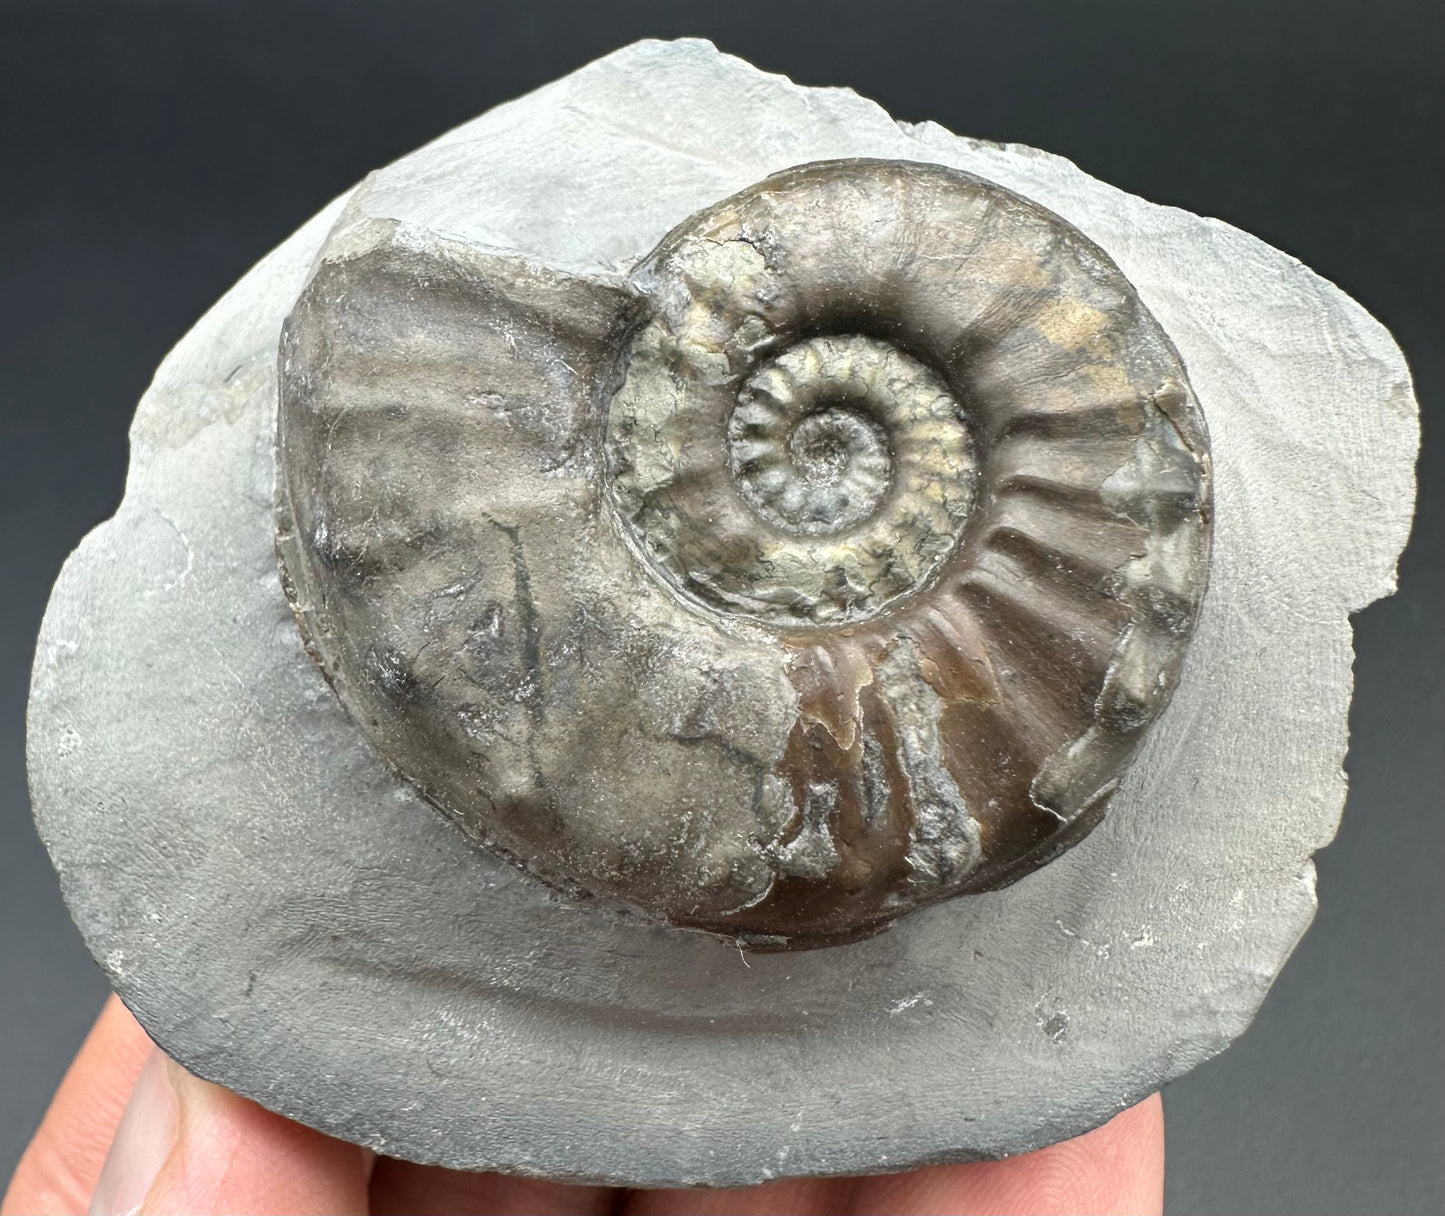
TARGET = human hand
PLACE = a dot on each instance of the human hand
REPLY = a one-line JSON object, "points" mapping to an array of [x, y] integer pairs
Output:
{"points": [[129, 1131]]}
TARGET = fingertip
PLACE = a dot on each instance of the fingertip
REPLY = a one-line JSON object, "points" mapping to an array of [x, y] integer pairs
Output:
{"points": [[1115, 1169], [231, 1155], [144, 1138], [62, 1162]]}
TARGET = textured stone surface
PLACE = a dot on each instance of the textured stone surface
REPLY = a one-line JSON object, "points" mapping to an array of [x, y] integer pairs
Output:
{"points": [[289, 919]]}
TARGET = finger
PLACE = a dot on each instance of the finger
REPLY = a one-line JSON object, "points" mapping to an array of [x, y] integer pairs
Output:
{"points": [[795, 1197], [185, 1145], [1117, 1168], [59, 1169], [399, 1188]]}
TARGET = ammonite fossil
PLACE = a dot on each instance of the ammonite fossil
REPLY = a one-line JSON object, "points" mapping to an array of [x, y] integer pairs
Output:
{"points": [[830, 566]]}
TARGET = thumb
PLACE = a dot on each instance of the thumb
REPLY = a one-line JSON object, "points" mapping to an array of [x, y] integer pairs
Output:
{"points": [[185, 1145]]}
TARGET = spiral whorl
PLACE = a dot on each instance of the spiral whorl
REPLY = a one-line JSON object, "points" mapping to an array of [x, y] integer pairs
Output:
{"points": [[810, 440], [925, 430], [800, 478], [855, 460]]}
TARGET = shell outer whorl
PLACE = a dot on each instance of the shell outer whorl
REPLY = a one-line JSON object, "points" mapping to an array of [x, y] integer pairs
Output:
{"points": [[888, 555]]}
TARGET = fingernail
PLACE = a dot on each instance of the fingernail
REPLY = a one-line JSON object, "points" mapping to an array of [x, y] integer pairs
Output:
{"points": [[143, 1140]]}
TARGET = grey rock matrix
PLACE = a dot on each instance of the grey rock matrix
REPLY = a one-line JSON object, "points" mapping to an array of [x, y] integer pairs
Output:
{"points": [[289, 917]]}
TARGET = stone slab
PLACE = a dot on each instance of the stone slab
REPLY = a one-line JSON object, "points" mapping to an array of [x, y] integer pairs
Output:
{"points": [[287, 918]]}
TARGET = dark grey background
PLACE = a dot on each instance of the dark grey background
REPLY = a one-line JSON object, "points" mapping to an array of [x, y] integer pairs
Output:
{"points": [[151, 151]]}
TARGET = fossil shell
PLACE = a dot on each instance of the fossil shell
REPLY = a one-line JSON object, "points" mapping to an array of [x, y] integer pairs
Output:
{"points": [[832, 565]]}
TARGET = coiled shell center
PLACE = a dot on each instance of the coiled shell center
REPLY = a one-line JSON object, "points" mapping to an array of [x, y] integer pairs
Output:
{"points": [[827, 432]]}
